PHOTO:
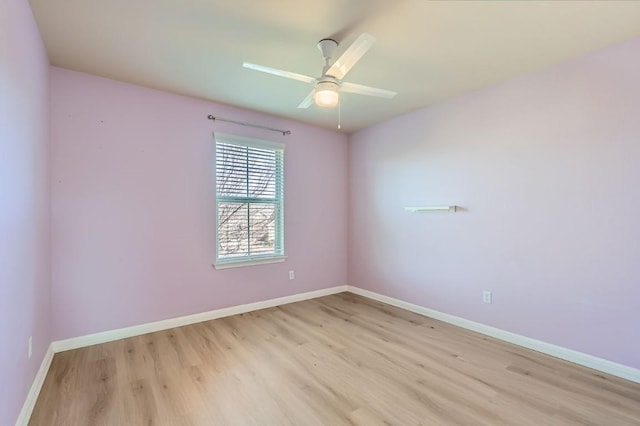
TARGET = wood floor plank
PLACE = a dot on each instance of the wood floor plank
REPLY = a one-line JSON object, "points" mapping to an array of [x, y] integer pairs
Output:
{"points": [[337, 360]]}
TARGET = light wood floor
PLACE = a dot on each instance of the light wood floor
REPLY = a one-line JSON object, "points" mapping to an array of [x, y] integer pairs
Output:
{"points": [[336, 360]]}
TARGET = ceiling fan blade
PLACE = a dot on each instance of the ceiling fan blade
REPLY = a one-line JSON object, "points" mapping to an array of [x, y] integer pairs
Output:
{"points": [[348, 59], [306, 102], [280, 73], [366, 90]]}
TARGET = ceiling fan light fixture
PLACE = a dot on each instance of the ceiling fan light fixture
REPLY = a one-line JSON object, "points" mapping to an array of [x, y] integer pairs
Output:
{"points": [[326, 94]]}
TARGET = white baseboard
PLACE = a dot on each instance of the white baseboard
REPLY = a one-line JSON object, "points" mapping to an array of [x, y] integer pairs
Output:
{"points": [[600, 364], [34, 391], [136, 330]]}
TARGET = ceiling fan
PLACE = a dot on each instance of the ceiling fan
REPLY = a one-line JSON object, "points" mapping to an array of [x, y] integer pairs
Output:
{"points": [[329, 84]]}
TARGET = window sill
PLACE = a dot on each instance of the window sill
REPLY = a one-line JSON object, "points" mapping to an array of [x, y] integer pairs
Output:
{"points": [[248, 262]]}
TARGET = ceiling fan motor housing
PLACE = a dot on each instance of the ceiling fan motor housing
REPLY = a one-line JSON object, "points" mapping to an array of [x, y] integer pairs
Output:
{"points": [[327, 84]]}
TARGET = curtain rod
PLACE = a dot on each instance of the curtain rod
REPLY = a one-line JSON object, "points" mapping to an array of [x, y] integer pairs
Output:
{"points": [[257, 126]]}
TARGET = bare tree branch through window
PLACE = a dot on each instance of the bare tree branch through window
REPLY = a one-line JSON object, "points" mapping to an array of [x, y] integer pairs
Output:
{"points": [[249, 200]]}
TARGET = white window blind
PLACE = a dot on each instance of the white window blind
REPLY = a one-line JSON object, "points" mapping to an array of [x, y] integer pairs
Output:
{"points": [[249, 199]]}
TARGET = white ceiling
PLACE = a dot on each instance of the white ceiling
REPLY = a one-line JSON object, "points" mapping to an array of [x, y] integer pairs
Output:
{"points": [[427, 51]]}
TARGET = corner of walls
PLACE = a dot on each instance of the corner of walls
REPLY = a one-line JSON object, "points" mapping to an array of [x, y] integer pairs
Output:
{"points": [[25, 275], [349, 217]]}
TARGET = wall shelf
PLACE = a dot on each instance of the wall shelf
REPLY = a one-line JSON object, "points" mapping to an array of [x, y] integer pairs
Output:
{"points": [[432, 209]]}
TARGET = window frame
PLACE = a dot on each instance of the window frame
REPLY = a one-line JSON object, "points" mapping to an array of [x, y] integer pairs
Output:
{"points": [[279, 148]]}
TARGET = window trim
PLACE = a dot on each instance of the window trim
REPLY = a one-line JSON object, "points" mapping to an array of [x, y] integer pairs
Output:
{"points": [[263, 260], [225, 263]]}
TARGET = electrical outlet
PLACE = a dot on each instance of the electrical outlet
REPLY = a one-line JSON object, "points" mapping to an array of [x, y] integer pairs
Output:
{"points": [[486, 296], [292, 274], [30, 352]]}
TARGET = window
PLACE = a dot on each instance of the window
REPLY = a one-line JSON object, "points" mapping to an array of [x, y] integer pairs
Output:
{"points": [[249, 201]]}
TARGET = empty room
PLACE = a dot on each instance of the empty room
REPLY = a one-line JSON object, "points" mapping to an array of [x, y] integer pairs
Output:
{"points": [[292, 212]]}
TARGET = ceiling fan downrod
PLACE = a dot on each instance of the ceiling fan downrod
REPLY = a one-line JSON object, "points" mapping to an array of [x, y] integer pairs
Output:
{"points": [[327, 47]]}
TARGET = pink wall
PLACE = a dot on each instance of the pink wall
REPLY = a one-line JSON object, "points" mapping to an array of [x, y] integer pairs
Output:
{"points": [[547, 169], [24, 204], [134, 212]]}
